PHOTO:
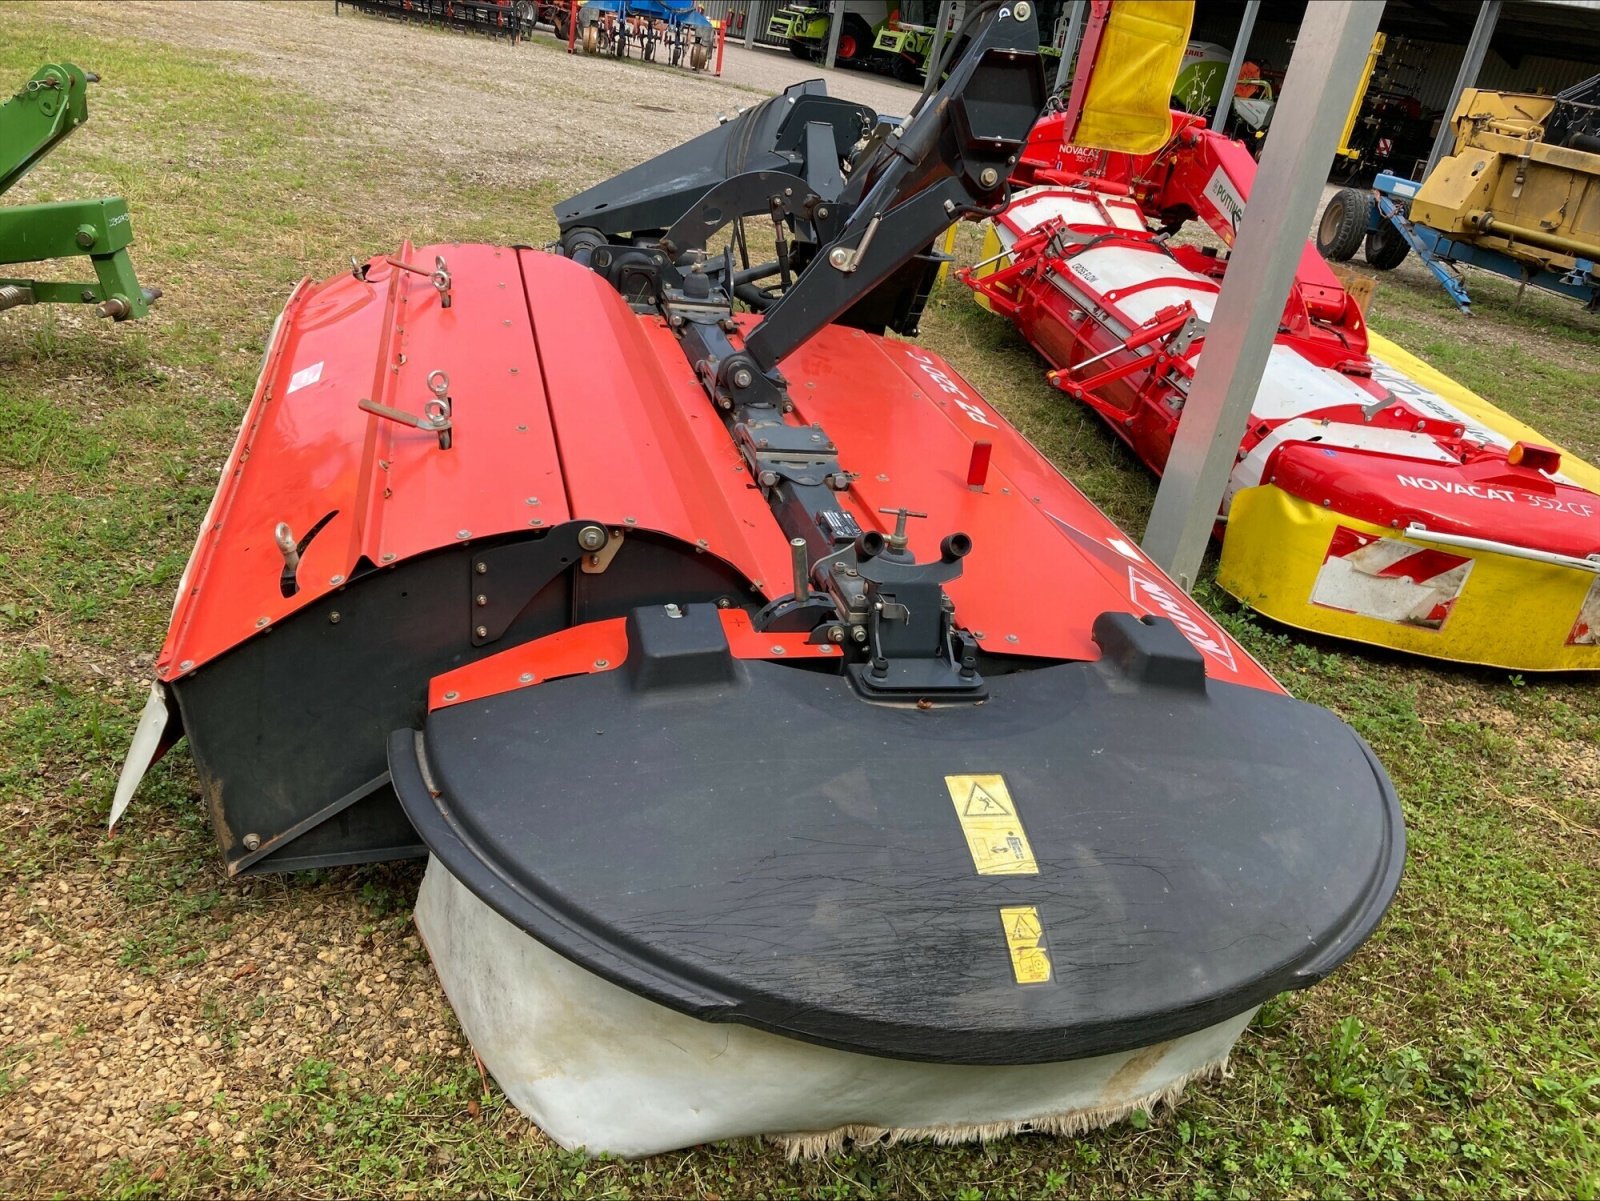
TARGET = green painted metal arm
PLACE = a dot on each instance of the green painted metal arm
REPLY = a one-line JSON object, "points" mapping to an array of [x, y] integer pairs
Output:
{"points": [[48, 108]]}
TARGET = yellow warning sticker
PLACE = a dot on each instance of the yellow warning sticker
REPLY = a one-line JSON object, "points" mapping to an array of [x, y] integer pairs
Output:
{"points": [[1030, 958], [988, 816]]}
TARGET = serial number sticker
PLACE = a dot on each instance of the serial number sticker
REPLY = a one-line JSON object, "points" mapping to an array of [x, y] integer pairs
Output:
{"points": [[994, 832], [1030, 956]]}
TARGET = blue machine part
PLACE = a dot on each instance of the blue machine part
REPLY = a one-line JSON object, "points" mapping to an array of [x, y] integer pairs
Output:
{"points": [[674, 12], [1443, 255]]}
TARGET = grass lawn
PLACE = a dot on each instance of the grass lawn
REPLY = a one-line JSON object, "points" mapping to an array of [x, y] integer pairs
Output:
{"points": [[164, 1030]]}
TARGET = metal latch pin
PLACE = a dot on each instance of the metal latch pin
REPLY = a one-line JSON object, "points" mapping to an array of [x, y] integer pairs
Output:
{"points": [[435, 413], [439, 277]]}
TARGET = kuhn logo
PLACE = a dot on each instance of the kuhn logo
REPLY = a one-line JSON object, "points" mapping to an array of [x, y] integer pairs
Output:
{"points": [[1151, 595], [949, 387]]}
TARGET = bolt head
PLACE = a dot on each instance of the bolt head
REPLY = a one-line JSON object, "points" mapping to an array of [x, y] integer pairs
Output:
{"points": [[778, 650], [252, 842], [334, 618], [988, 177], [839, 257], [481, 631], [481, 567], [450, 696], [591, 537]]}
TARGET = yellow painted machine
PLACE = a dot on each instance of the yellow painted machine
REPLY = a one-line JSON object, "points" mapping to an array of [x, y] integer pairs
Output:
{"points": [[1518, 195], [1507, 186]]}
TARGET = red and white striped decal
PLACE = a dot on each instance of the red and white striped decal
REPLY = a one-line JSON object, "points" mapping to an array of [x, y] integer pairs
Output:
{"points": [[1389, 579], [1586, 630]]}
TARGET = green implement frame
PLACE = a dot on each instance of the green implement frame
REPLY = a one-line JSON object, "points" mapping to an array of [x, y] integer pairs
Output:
{"points": [[49, 107]]}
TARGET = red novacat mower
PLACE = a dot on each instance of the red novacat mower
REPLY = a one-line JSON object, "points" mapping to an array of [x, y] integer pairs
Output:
{"points": [[797, 751], [1373, 498]]}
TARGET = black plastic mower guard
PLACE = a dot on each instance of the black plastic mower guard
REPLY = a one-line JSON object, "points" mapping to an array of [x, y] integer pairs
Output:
{"points": [[765, 847]]}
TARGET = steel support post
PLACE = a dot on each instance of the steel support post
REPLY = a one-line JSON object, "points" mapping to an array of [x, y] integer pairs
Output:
{"points": [[752, 14], [835, 24], [1241, 46], [1466, 77], [1069, 44], [941, 28], [1323, 75]]}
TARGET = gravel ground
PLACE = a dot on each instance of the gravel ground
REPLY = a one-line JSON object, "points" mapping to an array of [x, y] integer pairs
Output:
{"points": [[478, 106]]}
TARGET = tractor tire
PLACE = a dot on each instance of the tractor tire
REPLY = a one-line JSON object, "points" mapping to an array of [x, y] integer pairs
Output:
{"points": [[907, 69], [558, 22], [699, 56], [590, 40], [1343, 224], [1385, 249], [855, 39]]}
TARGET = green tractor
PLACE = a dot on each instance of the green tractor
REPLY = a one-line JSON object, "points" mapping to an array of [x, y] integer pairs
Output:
{"points": [[804, 28], [49, 107], [906, 45], [909, 47]]}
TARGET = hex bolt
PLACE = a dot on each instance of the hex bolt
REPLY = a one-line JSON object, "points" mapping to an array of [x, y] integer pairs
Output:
{"points": [[988, 177], [481, 567], [252, 842], [743, 378], [480, 631], [334, 618], [591, 537], [480, 600]]}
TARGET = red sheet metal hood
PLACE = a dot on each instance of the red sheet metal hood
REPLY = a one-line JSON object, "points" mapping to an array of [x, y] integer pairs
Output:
{"points": [[566, 405]]}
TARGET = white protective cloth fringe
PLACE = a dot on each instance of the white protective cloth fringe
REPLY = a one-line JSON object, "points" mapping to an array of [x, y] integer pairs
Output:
{"points": [[1064, 1125]]}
